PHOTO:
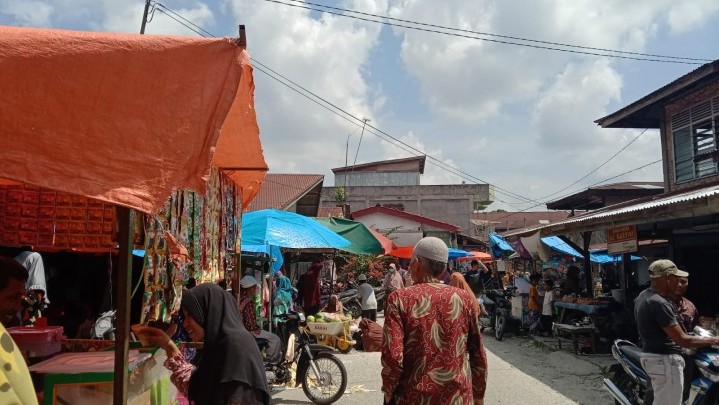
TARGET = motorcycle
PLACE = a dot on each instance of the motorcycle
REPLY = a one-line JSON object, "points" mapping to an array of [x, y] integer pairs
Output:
{"points": [[497, 314], [380, 295], [321, 373], [629, 384]]}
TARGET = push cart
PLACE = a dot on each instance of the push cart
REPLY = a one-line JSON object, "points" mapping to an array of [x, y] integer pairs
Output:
{"points": [[333, 334]]}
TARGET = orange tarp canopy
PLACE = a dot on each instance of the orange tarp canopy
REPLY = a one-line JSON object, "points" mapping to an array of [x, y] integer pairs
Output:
{"points": [[476, 255], [126, 118]]}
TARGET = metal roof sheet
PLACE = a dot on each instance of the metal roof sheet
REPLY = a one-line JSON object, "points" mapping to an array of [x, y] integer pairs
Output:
{"points": [[633, 206]]}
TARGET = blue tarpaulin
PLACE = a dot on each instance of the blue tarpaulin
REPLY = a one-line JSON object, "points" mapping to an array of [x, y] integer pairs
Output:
{"points": [[289, 230], [498, 245], [559, 245], [272, 251], [457, 253], [601, 256]]}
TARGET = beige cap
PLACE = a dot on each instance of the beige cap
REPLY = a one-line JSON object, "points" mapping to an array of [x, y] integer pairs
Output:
{"points": [[665, 267]]}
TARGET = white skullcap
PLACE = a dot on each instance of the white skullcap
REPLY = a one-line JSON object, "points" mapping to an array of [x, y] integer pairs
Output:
{"points": [[432, 248]]}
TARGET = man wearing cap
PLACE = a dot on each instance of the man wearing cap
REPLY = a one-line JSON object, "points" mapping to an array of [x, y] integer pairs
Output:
{"points": [[432, 351], [248, 289], [365, 293], [662, 336]]}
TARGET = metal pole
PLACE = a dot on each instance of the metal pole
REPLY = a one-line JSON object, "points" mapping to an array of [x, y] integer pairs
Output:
{"points": [[144, 17], [124, 282]]}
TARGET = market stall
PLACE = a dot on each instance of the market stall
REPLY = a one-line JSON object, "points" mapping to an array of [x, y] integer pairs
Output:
{"points": [[72, 124], [281, 229]]}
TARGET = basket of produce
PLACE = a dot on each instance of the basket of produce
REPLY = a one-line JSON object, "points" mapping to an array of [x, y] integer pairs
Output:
{"points": [[326, 324]]}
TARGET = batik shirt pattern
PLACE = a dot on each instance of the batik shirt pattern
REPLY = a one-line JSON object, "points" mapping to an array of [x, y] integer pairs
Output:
{"points": [[432, 352]]}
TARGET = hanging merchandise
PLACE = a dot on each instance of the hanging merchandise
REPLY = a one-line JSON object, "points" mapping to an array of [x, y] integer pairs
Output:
{"points": [[193, 236]]}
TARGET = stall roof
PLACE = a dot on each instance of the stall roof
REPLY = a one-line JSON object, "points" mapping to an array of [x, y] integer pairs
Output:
{"points": [[559, 245], [613, 215], [126, 118]]}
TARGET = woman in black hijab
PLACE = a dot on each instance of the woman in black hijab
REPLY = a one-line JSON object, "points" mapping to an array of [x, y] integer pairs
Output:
{"points": [[229, 370]]}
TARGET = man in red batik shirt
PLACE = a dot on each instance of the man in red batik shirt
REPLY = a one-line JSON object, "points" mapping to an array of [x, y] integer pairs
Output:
{"points": [[429, 330]]}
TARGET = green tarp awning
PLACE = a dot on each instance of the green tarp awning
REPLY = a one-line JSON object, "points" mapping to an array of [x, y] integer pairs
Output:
{"points": [[363, 242]]}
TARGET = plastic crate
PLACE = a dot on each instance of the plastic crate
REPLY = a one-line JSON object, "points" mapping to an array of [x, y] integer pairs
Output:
{"points": [[37, 342]]}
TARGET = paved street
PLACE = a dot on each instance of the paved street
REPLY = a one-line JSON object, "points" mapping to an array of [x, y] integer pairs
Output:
{"points": [[520, 373]]}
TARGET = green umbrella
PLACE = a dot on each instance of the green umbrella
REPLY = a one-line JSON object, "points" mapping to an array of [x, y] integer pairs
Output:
{"points": [[363, 242]]}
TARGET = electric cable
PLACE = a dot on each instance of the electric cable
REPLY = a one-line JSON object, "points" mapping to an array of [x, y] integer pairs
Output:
{"points": [[489, 40], [599, 167], [498, 35]]}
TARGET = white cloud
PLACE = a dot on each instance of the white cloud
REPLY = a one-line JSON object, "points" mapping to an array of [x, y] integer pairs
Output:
{"points": [[519, 117], [687, 15], [28, 12], [326, 56]]}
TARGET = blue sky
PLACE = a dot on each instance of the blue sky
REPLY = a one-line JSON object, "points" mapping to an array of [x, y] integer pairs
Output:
{"points": [[517, 117]]}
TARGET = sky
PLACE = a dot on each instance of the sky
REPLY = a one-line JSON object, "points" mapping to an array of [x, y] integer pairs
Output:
{"points": [[517, 117]]}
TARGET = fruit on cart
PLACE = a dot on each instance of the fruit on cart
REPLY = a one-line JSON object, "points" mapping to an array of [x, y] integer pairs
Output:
{"points": [[310, 319]]}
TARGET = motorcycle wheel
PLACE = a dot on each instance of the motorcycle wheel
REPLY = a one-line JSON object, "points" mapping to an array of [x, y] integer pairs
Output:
{"points": [[332, 382], [500, 324], [355, 310], [629, 387]]}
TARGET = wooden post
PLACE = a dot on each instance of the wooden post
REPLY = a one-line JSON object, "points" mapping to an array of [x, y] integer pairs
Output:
{"points": [[586, 238], [122, 322]]}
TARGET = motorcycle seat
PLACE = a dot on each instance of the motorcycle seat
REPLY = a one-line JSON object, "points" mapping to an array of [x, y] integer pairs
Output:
{"points": [[632, 353]]}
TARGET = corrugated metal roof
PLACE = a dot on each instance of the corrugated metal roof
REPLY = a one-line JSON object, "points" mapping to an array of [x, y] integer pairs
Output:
{"points": [[279, 191], [632, 206]]}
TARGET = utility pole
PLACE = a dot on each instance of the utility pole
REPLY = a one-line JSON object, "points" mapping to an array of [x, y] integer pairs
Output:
{"points": [[144, 16]]}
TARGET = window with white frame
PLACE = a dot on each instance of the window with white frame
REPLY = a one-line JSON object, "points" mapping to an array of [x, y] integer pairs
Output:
{"points": [[694, 132]]}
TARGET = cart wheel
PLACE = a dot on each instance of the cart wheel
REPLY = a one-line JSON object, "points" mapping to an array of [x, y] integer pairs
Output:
{"points": [[344, 346]]}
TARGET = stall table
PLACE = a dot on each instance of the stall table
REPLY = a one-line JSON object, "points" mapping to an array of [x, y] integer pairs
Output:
{"points": [[592, 310], [574, 333]]}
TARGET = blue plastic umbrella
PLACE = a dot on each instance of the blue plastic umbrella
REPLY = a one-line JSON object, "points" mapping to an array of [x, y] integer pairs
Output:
{"points": [[289, 230], [457, 253]]}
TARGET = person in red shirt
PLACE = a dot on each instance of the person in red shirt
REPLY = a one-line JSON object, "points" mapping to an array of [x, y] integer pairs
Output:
{"points": [[432, 351], [309, 289]]}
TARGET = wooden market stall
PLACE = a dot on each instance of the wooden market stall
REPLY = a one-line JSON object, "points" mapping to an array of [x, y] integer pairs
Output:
{"points": [[127, 120]]}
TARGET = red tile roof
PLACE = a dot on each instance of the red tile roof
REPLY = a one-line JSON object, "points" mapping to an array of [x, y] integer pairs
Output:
{"points": [[403, 214], [280, 191]]}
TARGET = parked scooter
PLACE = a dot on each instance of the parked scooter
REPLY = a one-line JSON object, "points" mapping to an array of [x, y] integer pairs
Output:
{"points": [[497, 314], [321, 373], [629, 384]]}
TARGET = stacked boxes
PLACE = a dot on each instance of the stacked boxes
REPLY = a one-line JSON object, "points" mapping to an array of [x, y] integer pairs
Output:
{"points": [[33, 216]]}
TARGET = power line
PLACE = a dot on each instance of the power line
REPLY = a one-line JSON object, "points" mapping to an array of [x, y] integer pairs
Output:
{"points": [[591, 185], [599, 167], [381, 134], [498, 35], [353, 119], [504, 42]]}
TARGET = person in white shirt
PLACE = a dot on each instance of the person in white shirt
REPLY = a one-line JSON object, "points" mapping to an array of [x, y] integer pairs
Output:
{"points": [[547, 307], [365, 293]]}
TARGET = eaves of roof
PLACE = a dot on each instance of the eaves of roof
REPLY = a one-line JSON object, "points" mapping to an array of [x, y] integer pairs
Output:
{"points": [[632, 209]]}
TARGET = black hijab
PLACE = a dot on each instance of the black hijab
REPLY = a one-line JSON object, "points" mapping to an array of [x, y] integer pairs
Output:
{"points": [[230, 352]]}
